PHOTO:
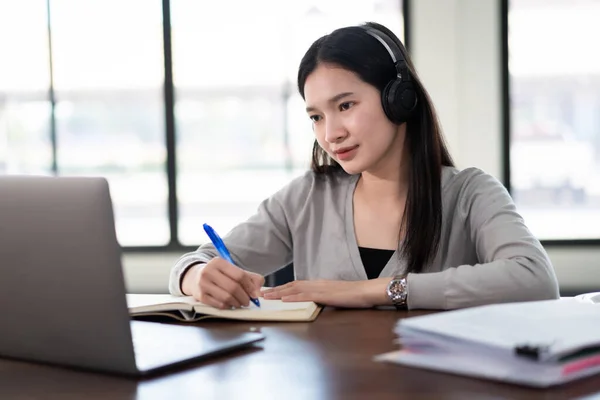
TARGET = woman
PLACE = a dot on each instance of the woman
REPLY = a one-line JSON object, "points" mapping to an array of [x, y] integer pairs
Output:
{"points": [[383, 217]]}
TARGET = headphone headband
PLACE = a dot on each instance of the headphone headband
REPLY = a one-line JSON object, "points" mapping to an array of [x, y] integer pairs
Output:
{"points": [[393, 50], [378, 35], [399, 97]]}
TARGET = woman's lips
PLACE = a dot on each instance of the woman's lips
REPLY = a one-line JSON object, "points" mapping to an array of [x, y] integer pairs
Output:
{"points": [[346, 153]]}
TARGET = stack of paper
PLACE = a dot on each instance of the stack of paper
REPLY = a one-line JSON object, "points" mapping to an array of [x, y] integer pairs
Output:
{"points": [[540, 343], [589, 297]]}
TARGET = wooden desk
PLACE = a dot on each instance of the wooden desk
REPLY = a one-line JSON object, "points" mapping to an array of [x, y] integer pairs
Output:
{"points": [[330, 358]]}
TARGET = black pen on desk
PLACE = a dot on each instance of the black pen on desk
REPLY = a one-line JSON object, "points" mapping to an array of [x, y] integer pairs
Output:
{"points": [[223, 252]]}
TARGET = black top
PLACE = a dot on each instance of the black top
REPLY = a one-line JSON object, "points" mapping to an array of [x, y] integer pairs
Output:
{"points": [[374, 260]]}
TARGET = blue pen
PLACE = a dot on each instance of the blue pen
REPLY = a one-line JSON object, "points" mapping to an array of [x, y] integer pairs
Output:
{"points": [[223, 252]]}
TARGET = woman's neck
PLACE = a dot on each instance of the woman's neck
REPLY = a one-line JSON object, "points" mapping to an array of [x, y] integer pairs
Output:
{"points": [[376, 188], [388, 182]]}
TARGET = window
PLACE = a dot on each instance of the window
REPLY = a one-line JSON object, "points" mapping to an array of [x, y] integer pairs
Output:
{"points": [[555, 116], [25, 144], [106, 115], [242, 132], [82, 92], [108, 78]]}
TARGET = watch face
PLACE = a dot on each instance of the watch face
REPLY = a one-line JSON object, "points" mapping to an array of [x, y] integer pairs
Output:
{"points": [[396, 286], [397, 291]]}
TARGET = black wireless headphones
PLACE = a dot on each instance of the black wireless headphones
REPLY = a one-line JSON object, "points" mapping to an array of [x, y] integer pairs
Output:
{"points": [[399, 97]]}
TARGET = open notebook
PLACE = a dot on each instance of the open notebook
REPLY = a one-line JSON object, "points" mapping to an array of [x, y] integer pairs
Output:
{"points": [[538, 343], [187, 309]]}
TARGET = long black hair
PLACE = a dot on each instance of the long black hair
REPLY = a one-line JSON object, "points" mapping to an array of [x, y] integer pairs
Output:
{"points": [[353, 49]]}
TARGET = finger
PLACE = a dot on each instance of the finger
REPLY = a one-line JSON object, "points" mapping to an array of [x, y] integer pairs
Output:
{"points": [[212, 278], [296, 297], [285, 285], [242, 278], [271, 295], [279, 293], [227, 276], [257, 282], [235, 273], [223, 296], [207, 299], [304, 296], [316, 297], [234, 288], [320, 285], [263, 291], [345, 299], [250, 288], [277, 289]]}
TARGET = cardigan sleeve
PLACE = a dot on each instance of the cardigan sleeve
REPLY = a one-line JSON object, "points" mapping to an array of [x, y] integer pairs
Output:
{"points": [[512, 264], [263, 243]]}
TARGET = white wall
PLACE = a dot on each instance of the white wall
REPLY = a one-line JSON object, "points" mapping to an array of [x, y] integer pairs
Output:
{"points": [[148, 273], [456, 49]]}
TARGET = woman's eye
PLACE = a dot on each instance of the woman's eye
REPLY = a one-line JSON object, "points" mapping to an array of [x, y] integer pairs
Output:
{"points": [[346, 105], [315, 118]]}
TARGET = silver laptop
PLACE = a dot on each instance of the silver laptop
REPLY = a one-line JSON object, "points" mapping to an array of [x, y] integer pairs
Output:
{"points": [[62, 291]]}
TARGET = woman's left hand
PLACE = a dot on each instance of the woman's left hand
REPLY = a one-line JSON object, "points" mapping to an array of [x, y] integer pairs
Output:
{"points": [[351, 294]]}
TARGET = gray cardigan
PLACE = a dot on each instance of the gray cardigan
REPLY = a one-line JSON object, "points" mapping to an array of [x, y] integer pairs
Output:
{"points": [[486, 253]]}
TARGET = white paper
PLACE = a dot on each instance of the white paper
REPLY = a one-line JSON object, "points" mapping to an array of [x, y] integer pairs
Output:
{"points": [[481, 341], [558, 325]]}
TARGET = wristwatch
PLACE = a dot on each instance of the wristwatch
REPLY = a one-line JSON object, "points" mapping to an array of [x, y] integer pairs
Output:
{"points": [[397, 291]]}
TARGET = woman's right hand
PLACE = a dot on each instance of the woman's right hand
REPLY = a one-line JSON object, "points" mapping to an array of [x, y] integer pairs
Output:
{"points": [[221, 284]]}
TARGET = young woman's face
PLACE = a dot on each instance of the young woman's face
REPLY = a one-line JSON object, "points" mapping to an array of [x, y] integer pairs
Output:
{"points": [[349, 121]]}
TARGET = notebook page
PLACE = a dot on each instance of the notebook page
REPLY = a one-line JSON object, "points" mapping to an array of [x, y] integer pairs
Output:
{"points": [[278, 305], [144, 300]]}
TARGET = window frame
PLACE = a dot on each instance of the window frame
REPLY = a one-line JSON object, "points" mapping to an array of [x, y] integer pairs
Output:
{"points": [[506, 124], [174, 244]]}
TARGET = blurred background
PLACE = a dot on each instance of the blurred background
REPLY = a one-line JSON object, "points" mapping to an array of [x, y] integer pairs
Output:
{"points": [[190, 108]]}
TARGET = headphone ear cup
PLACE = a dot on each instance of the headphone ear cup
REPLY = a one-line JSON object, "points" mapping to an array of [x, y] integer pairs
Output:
{"points": [[399, 100], [387, 102], [406, 96]]}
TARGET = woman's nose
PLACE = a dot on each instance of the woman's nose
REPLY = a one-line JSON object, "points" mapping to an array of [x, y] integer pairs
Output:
{"points": [[334, 131]]}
